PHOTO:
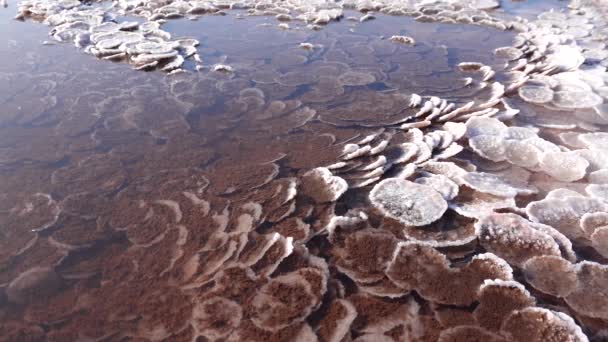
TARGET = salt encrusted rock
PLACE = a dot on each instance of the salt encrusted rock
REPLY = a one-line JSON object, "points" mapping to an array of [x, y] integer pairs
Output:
{"points": [[536, 93], [365, 255], [522, 154], [509, 53], [367, 17], [564, 244], [595, 157], [379, 315], [357, 152], [542, 144], [551, 274], [256, 247], [411, 203], [561, 193], [486, 126], [489, 146], [565, 214], [475, 204], [590, 295], [452, 317], [403, 40], [320, 185], [520, 133], [404, 269], [285, 300], [485, 4], [414, 263], [538, 324], [278, 252], [592, 221], [384, 288], [373, 338], [497, 299], [513, 238], [493, 184], [599, 241], [457, 129], [599, 191], [336, 323], [576, 99], [442, 184], [564, 166], [469, 66], [595, 140], [423, 153], [295, 228], [222, 68], [247, 331], [451, 230], [565, 58], [598, 177], [448, 169], [468, 333], [415, 100], [571, 139]]}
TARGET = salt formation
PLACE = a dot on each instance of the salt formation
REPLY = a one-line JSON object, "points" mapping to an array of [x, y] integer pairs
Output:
{"points": [[548, 325], [540, 273], [322, 186], [471, 207], [536, 93], [514, 239], [145, 45], [558, 65], [497, 299], [222, 68], [411, 203], [403, 40], [98, 32], [564, 166]]}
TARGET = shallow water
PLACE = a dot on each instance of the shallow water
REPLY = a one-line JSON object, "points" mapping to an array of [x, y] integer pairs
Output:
{"points": [[140, 205]]}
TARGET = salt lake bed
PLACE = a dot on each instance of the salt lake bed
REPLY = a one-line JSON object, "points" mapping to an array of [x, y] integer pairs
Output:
{"points": [[348, 170]]}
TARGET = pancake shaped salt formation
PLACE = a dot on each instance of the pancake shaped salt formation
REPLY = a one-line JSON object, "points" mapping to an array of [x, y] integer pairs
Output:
{"points": [[296, 171]]}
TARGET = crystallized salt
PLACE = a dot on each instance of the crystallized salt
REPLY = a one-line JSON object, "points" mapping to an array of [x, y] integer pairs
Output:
{"points": [[411, 203]]}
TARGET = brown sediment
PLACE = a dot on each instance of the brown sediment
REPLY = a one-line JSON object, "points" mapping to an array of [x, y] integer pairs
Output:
{"points": [[240, 177], [55, 308], [42, 254], [75, 232]]}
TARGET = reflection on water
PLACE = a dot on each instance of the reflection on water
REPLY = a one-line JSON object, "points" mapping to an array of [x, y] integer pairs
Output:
{"points": [[145, 206]]}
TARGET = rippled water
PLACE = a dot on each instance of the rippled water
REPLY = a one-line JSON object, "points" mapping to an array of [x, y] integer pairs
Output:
{"points": [[146, 206]]}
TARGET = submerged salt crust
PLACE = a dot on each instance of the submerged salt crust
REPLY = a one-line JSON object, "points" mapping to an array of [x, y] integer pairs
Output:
{"points": [[310, 178]]}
